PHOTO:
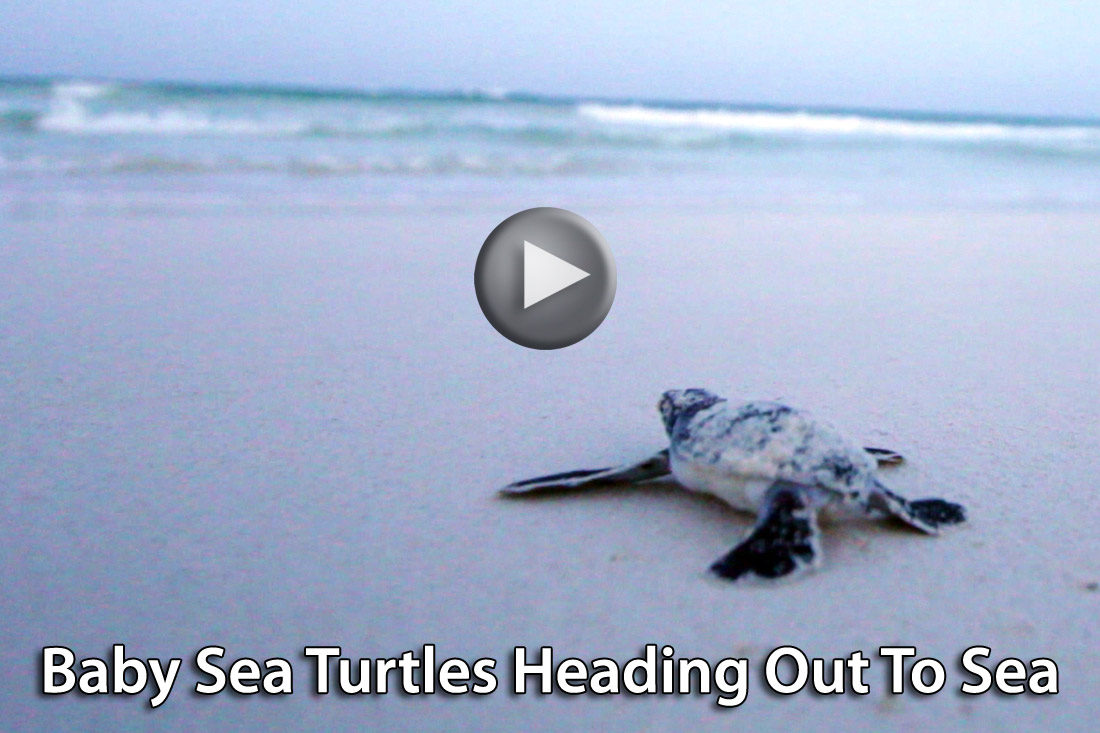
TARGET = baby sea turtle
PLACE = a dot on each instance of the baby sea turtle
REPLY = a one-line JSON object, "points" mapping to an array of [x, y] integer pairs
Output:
{"points": [[775, 461]]}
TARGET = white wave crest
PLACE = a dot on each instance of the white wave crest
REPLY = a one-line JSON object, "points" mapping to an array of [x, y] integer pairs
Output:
{"points": [[71, 117], [839, 125], [74, 112], [72, 104], [82, 89]]}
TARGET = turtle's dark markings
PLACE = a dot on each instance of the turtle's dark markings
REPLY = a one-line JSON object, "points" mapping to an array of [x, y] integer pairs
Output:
{"points": [[778, 412], [841, 466], [771, 412]]}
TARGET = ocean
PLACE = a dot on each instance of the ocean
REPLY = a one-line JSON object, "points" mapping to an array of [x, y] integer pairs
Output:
{"points": [[248, 397], [92, 146]]}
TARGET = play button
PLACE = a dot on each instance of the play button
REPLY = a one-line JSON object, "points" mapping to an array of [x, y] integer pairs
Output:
{"points": [[545, 278], [544, 274]]}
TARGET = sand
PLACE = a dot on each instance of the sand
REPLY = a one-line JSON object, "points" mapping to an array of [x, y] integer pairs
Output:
{"points": [[269, 432]]}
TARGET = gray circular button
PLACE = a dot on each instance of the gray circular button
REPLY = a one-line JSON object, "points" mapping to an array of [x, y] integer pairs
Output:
{"points": [[545, 278]]}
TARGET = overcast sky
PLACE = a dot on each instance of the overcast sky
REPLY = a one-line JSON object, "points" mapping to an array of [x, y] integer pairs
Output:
{"points": [[1032, 56]]}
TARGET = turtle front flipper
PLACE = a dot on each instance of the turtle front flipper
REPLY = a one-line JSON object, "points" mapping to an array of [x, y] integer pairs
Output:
{"points": [[885, 456], [653, 467], [784, 541], [927, 515]]}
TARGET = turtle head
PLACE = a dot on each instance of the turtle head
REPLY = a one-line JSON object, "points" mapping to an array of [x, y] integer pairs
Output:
{"points": [[677, 403]]}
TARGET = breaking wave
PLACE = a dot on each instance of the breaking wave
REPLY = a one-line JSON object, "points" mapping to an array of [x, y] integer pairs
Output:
{"points": [[823, 124]]}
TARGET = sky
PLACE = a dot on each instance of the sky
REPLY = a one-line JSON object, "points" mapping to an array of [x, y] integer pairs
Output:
{"points": [[1029, 57]]}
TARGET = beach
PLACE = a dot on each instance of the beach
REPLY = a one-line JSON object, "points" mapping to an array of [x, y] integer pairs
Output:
{"points": [[254, 432], [270, 425]]}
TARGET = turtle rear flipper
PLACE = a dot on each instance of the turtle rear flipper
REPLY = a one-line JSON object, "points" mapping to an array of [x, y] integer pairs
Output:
{"points": [[785, 539], [938, 512], [653, 467], [927, 515]]}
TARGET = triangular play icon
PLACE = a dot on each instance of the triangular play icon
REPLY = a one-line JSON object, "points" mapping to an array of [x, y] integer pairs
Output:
{"points": [[545, 274]]}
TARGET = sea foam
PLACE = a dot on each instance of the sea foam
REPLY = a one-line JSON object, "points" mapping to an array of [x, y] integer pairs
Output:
{"points": [[804, 123]]}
